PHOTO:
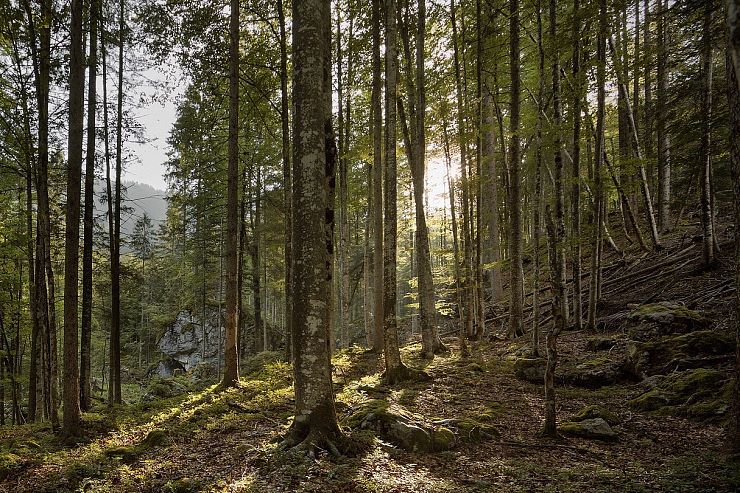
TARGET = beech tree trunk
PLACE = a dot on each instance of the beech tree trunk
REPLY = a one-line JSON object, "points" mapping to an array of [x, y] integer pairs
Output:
{"points": [[315, 424]]}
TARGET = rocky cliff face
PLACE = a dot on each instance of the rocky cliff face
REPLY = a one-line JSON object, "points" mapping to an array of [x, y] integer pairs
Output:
{"points": [[186, 341]]}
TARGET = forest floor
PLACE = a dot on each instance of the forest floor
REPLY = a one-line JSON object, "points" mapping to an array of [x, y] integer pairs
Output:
{"points": [[204, 440]]}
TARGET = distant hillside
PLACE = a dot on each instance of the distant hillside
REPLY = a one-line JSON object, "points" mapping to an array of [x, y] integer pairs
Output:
{"points": [[137, 199]]}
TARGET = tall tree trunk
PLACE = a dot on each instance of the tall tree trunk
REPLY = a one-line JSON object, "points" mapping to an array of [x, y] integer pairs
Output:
{"points": [[115, 346], [516, 284], [537, 221], [32, 301], [733, 89], [455, 244], [242, 345], [576, 176], [394, 369], [480, 308], [285, 134], [598, 166], [87, 264], [71, 421], [430, 341], [707, 213], [492, 244], [44, 273], [468, 295], [664, 160], [556, 242], [108, 188], [231, 351], [343, 134], [647, 132], [377, 124], [315, 424]]}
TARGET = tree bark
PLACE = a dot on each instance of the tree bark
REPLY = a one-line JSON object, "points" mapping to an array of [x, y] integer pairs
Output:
{"points": [[115, 345], [231, 352], [733, 89], [468, 296], [556, 240], [536, 219], [707, 223], [71, 416], [598, 166], [377, 125], [647, 129], [462, 336], [87, 248], [576, 176], [287, 187], [315, 424], [664, 160], [515, 228], [395, 370]]}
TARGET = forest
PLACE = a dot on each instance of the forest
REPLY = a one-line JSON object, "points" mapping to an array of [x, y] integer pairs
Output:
{"points": [[404, 246]]}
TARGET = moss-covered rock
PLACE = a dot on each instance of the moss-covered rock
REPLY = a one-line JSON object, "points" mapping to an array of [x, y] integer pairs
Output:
{"points": [[650, 401], [600, 343], [597, 372], [155, 438], [400, 427], [664, 318], [591, 412], [530, 369], [687, 351], [442, 439], [473, 430], [595, 429], [125, 453], [700, 393]]}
